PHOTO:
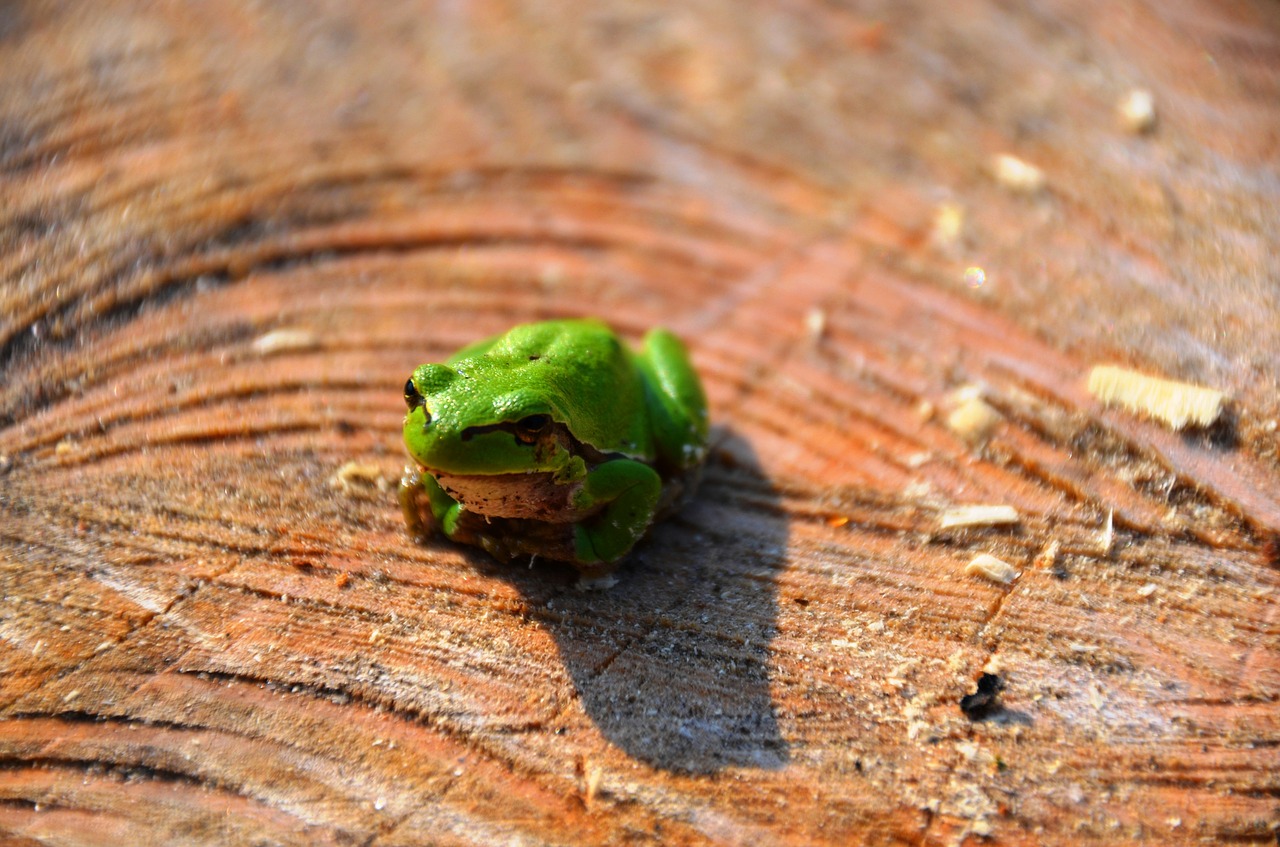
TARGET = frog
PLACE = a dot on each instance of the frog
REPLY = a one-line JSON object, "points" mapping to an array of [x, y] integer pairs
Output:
{"points": [[554, 440]]}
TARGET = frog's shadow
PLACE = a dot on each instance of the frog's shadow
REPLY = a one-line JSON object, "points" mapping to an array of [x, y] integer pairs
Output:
{"points": [[671, 662]]}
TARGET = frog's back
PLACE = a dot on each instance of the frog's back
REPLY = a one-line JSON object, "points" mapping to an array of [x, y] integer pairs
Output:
{"points": [[581, 368]]}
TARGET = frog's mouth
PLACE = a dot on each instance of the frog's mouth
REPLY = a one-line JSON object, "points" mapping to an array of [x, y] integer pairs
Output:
{"points": [[514, 495]]}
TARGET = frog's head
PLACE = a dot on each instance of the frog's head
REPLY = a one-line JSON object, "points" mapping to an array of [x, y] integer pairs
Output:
{"points": [[465, 425]]}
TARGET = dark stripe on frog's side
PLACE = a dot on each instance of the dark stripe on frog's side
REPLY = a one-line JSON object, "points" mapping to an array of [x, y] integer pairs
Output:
{"points": [[557, 434]]}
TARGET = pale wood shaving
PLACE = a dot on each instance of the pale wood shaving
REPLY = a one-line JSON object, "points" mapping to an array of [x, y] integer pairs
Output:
{"points": [[354, 476], [285, 341], [989, 567], [973, 419], [1107, 538], [1137, 111], [1048, 555], [1017, 175], [815, 324], [948, 225], [1176, 404], [978, 516], [594, 780]]}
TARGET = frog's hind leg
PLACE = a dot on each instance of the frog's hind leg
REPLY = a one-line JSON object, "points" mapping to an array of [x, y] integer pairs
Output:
{"points": [[678, 408], [629, 492]]}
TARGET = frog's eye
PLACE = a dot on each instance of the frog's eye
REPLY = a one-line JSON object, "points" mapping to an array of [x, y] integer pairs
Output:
{"points": [[530, 427], [412, 398]]}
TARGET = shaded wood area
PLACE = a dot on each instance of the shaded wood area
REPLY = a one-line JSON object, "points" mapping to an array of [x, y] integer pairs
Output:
{"points": [[228, 233]]}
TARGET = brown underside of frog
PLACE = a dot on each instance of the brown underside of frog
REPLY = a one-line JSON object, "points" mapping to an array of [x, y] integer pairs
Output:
{"points": [[513, 516], [535, 496]]}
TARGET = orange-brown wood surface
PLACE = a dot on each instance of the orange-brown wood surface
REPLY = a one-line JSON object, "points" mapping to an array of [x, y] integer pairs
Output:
{"points": [[229, 231]]}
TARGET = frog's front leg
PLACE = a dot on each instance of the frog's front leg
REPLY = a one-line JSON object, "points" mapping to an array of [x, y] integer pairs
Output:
{"points": [[414, 503], [417, 486], [629, 491]]}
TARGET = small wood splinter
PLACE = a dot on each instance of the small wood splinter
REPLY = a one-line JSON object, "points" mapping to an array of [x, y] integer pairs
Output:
{"points": [[1176, 404], [989, 567], [964, 516]]}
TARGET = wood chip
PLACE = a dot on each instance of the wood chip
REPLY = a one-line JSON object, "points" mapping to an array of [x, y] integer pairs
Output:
{"points": [[989, 567], [1137, 111], [1016, 175], [948, 225], [815, 324], [978, 516], [973, 419], [1176, 404], [285, 341], [1108, 535], [354, 476], [594, 779], [1048, 556], [599, 583], [916, 460]]}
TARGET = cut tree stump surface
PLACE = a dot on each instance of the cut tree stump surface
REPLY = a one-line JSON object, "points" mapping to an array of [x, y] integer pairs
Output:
{"points": [[229, 233]]}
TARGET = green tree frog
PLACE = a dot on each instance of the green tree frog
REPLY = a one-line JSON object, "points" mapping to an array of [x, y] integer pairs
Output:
{"points": [[554, 439]]}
